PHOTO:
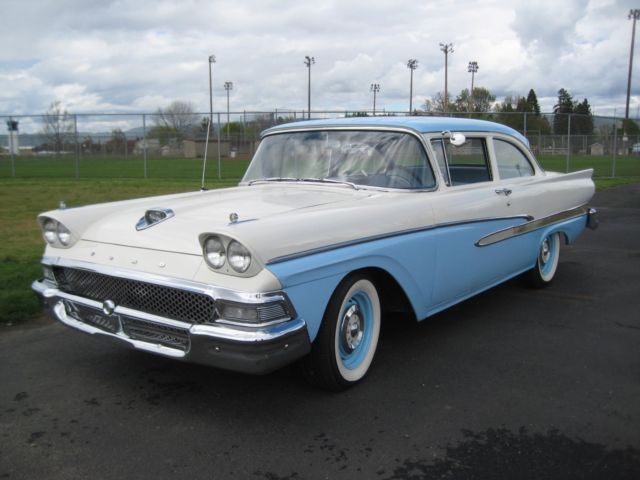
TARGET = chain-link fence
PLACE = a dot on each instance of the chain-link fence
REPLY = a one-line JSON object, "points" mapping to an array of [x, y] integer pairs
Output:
{"points": [[173, 146]]}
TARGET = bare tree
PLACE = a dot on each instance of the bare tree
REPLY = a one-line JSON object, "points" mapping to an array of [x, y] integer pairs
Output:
{"points": [[58, 126], [178, 116]]}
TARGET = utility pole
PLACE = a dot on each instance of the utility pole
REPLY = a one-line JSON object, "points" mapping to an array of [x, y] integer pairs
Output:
{"points": [[412, 64], [473, 69], [375, 88], [634, 15], [308, 61], [228, 86], [446, 48]]}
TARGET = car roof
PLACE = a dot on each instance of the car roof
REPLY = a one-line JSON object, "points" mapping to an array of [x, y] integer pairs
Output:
{"points": [[421, 124]]}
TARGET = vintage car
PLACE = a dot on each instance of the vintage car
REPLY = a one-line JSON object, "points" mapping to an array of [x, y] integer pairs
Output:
{"points": [[335, 224]]}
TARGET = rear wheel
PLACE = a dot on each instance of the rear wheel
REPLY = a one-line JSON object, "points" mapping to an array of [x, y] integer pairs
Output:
{"points": [[547, 263], [346, 343]]}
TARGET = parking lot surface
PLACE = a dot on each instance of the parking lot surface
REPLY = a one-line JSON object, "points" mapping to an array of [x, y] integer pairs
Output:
{"points": [[514, 383]]}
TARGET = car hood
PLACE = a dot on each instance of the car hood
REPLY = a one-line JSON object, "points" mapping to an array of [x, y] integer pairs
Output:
{"points": [[203, 212]]}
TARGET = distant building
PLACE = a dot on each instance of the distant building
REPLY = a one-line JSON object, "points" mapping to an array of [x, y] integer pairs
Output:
{"points": [[153, 146], [597, 149], [195, 148]]}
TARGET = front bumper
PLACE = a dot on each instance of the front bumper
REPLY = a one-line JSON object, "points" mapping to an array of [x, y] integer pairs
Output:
{"points": [[247, 349]]}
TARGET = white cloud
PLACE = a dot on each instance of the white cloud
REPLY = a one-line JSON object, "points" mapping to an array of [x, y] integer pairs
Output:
{"points": [[126, 56]]}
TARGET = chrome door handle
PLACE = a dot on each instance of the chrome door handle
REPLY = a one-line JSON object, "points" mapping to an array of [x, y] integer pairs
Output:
{"points": [[504, 191]]}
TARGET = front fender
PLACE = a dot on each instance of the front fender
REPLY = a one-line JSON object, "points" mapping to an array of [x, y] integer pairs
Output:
{"points": [[310, 280]]}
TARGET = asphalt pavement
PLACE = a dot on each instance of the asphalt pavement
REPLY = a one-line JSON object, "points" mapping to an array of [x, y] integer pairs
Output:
{"points": [[514, 383]]}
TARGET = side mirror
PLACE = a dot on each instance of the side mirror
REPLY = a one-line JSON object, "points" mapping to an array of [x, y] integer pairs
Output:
{"points": [[457, 139]]}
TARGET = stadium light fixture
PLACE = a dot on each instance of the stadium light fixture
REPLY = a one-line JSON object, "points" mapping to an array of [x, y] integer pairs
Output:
{"points": [[472, 69], [375, 88], [446, 48], [412, 64], [308, 61], [228, 86], [634, 15], [212, 60]]}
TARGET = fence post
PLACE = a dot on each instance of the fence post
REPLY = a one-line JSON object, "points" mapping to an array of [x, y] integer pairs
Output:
{"points": [[615, 148], [11, 149], [144, 144], [568, 142], [75, 132], [219, 162], [525, 124]]}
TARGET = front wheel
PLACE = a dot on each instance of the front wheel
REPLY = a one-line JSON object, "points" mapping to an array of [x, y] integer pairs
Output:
{"points": [[348, 337], [546, 266]]}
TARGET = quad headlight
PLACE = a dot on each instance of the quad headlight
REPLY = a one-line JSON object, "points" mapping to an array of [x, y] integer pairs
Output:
{"points": [[214, 252], [221, 251], [56, 234], [239, 257]]}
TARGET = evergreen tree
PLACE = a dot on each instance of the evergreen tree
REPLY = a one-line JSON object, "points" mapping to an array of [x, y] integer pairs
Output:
{"points": [[582, 121], [562, 109], [532, 100]]}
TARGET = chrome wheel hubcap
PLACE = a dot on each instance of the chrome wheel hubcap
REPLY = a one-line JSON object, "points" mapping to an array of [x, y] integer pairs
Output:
{"points": [[352, 328], [545, 251]]}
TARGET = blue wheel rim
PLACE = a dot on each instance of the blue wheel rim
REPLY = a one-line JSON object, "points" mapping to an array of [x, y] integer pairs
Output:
{"points": [[352, 359]]}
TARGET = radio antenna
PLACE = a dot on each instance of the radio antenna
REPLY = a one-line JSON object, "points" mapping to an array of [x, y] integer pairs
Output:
{"points": [[204, 160]]}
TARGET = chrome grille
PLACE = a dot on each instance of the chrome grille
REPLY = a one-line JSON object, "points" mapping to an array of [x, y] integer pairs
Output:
{"points": [[191, 307], [272, 312], [156, 333]]}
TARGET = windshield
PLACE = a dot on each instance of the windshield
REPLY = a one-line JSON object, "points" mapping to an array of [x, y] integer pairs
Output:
{"points": [[366, 158]]}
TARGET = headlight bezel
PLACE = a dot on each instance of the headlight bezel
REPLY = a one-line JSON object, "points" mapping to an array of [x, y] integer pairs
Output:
{"points": [[56, 234]]}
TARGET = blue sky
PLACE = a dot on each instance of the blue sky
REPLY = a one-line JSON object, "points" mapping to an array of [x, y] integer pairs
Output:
{"points": [[136, 56]]}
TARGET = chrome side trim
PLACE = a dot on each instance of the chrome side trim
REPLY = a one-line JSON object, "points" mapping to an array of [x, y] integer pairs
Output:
{"points": [[530, 226], [382, 236]]}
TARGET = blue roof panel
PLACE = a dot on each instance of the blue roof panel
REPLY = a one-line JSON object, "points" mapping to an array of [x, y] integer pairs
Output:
{"points": [[418, 123]]}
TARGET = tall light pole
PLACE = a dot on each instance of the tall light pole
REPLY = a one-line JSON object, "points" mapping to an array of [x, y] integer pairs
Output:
{"points": [[375, 88], [412, 64], [308, 61], [212, 60], [634, 15], [473, 69], [228, 86], [446, 48]]}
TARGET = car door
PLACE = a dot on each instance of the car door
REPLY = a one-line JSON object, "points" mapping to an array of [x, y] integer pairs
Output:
{"points": [[473, 202]]}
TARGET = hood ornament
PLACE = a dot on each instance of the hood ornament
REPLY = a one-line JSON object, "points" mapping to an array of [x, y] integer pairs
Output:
{"points": [[153, 216], [233, 217]]}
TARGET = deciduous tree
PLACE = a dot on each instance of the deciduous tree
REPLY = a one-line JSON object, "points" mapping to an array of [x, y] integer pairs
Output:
{"points": [[58, 126]]}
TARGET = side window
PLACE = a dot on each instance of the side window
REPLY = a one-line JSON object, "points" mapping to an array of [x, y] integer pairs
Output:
{"points": [[438, 149], [468, 163], [512, 163]]}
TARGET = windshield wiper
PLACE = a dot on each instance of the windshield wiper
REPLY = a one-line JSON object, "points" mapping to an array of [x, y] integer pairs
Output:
{"points": [[274, 179], [309, 179], [330, 180]]}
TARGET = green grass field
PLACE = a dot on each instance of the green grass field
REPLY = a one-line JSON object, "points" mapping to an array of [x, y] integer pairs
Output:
{"points": [[65, 166], [40, 184]]}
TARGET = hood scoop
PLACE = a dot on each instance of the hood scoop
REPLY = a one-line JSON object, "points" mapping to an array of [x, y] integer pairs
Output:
{"points": [[153, 216]]}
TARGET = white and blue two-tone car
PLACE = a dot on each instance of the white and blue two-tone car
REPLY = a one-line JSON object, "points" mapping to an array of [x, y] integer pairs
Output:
{"points": [[335, 224]]}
